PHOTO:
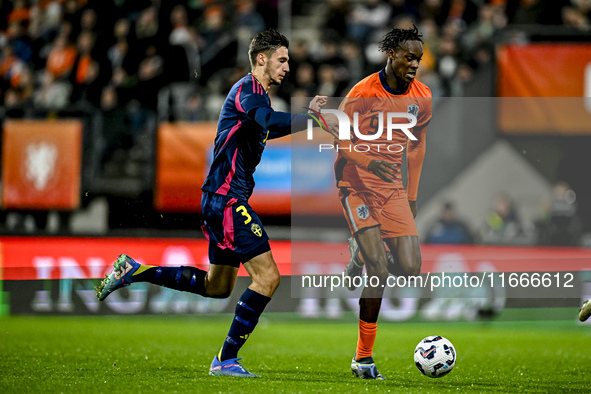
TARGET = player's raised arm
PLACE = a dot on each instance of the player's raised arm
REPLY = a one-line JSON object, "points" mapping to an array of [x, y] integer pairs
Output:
{"points": [[281, 124]]}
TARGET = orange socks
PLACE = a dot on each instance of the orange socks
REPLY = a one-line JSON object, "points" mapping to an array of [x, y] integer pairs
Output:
{"points": [[367, 337]]}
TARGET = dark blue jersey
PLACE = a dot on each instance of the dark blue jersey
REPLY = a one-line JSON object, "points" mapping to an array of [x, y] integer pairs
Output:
{"points": [[246, 122]]}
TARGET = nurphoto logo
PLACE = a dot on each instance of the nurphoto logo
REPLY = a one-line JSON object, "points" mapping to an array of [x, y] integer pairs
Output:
{"points": [[391, 120]]}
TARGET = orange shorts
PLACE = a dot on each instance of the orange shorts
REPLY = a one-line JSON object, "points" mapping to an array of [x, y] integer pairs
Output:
{"points": [[387, 208]]}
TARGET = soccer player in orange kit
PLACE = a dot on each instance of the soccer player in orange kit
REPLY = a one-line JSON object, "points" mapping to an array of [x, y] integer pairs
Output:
{"points": [[376, 205]]}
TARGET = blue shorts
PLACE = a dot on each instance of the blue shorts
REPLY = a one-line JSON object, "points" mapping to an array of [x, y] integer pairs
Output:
{"points": [[233, 229]]}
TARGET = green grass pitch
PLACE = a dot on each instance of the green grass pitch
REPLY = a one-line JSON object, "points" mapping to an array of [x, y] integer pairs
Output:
{"points": [[172, 354]]}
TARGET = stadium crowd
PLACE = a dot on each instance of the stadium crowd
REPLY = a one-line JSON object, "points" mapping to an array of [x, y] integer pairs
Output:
{"points": [[120, 53]]}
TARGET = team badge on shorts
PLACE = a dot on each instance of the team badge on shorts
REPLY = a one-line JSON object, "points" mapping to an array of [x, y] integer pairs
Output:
{"points": [[363, 212], [256, 229]]}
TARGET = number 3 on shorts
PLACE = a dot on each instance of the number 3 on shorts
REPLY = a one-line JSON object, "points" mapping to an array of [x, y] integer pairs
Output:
{"points": [[244, 212]]}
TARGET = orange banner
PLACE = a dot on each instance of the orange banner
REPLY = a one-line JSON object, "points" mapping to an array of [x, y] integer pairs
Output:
{"points": [[181, 165], [543, 88], [41, 163]]}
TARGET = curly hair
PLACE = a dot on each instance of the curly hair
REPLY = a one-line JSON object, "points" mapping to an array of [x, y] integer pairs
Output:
{"points": [[266, 42], [395, 38]]}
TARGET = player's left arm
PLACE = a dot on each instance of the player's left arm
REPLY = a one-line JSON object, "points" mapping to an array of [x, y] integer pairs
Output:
{"points": [[415, 155], [388, 172]]}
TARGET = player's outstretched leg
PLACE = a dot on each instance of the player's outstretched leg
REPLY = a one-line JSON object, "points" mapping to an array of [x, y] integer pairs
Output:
{"points": [[127, 271], [365, 368], [121, 275], [585, 311]]}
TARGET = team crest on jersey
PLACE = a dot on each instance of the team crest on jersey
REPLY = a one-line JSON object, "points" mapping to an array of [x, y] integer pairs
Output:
{"points": [[363, 212], [256, 229], [413, 109]]}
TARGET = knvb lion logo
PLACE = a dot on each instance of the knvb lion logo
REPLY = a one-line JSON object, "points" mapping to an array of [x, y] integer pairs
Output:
{"points": [[40, 163], [363, 212]]}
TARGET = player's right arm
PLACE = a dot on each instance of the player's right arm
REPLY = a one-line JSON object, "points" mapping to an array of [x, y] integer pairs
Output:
{"points": [[254, 103]]}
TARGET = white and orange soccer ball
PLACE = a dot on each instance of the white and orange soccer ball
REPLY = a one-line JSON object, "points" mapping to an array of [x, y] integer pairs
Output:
{"points": [[435, 356]]}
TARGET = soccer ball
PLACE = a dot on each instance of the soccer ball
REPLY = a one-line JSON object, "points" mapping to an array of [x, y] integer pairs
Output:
{"points": [[435, 356]]}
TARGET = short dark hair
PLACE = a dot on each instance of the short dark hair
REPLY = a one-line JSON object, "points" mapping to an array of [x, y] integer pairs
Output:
{"points": [[395, 38], [266, 42]]}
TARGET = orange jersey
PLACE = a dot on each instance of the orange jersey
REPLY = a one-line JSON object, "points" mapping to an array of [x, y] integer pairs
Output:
{"points": [[372, 99]]}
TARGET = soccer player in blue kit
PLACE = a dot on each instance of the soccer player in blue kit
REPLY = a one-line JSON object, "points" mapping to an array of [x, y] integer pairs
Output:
{"points": [[234, 231]]}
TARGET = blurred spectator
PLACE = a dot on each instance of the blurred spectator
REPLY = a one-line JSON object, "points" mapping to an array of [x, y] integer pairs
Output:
{"points": [[335, 20], [20, 14], [12, 104], [462, 12], [534, 12], [116, 133], [490, 19], [528, 12], [448, 63], [403, 7], [87, 86], [503, 224], [246, 23], [183, 36], [247, 17], [53, 94], [277, 102], [448, 229], [150, 78], [72, 15], [18, 100], [306, 79], [194, 109], [328, 82], [584, 6], [560, 224], [61, 58], [432, 10], [118, 53], [574, 17], [19, 41], [45, 24], [353, 61], [11, 68], [219, 46], [367, 17], [147, 28]]}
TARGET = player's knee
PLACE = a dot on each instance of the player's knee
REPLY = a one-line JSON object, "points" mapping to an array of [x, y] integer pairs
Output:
{"points": [[273, 280], [268, 282], [219, 291], [378, 270], [223, 293], [415, 269]]}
